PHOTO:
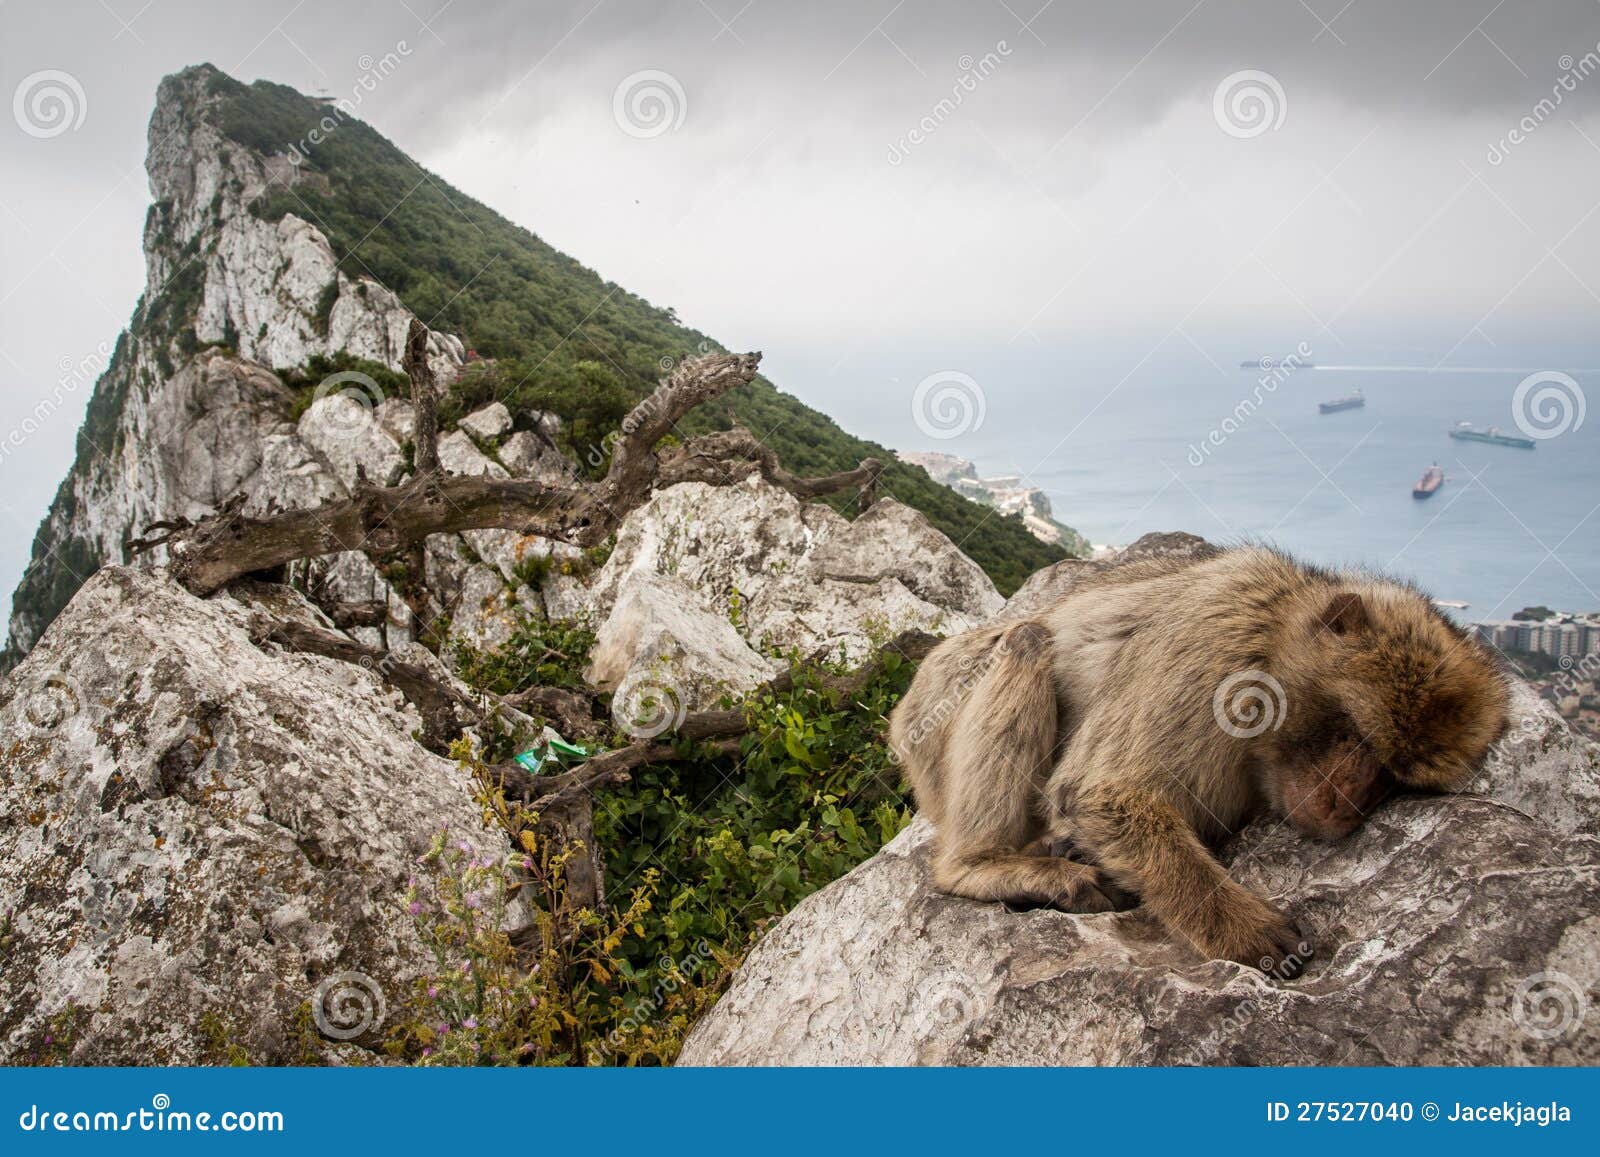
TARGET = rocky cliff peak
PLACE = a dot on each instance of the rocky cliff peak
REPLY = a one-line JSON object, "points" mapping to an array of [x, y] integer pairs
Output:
{"points": [[189, 411]]}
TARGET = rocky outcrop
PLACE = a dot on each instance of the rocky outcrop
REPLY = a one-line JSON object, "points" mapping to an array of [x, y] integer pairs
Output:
{"points": [[272, 290], [170, 432], [708, 585], [196, 831], [1451, 930], [1009, 494]]}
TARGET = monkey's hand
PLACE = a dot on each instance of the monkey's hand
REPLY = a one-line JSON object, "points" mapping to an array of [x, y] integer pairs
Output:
{"points": [[1251, 931]]}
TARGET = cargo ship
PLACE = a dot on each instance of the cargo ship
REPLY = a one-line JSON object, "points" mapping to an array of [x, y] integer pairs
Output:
{"points": [[1467, 432], [1428, 485], [1351, 401]]}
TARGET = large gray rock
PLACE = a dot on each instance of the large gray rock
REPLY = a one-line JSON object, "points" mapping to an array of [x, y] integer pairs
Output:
{"points": [[199, 835], [658, 647], [1451, 930], [784, 576]]}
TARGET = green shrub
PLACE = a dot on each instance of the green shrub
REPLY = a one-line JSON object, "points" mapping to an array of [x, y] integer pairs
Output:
{"points": [[564, 993], [700, 855]]}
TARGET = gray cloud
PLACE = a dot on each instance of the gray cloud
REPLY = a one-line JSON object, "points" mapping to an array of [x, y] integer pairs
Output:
{"points": [[1083, 187]]}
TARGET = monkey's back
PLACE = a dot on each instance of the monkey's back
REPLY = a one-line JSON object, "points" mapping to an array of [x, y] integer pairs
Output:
{"points": [[1169, 629]]}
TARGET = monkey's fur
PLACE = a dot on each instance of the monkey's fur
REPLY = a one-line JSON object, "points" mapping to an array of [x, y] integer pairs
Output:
{"points": [[1098, 724]]}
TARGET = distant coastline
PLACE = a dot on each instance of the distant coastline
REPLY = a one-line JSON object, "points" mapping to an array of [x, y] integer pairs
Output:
{"points": [[1006, 493]]}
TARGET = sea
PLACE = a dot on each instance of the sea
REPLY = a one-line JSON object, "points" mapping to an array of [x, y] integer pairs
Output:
{"points": [[1180, 436]]}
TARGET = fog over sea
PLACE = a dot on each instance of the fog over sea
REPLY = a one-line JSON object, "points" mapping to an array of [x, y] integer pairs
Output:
{"points": [[1121, 438]]}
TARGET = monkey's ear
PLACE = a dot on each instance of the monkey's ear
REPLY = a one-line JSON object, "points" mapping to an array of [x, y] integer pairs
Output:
{"points": [[1345, 614]]}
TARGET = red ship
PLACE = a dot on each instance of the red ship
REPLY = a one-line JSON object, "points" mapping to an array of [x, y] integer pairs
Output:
{"points": [[1428, 485]]}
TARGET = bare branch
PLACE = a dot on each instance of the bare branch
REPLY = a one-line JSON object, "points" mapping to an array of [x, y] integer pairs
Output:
{"points": [[393, 521], [424, 399], [445, 712]]}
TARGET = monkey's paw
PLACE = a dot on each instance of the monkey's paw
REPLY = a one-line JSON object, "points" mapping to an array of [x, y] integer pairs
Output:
{"points": [[1089, 890], [1273, 943]]}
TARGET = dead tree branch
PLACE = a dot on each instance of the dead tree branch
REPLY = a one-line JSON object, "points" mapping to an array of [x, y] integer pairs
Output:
{"points": [[393, 520], [424, 399], [445, 711]]}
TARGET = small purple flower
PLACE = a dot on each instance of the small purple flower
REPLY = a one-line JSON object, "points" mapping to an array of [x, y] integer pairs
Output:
{"points": [[415, 907], [470, 1022], [473, 900], [433, 992], [428, 1052], [466, 967]]}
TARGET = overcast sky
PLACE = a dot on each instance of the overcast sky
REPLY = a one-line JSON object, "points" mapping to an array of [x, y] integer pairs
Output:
{"points": [[816, 188]]}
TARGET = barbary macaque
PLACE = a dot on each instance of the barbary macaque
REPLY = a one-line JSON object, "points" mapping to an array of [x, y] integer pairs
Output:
{"points": [[1157, 706]]}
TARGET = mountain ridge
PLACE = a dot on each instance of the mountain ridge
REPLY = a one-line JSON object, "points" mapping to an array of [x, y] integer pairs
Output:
{"points": [[280, 264]]}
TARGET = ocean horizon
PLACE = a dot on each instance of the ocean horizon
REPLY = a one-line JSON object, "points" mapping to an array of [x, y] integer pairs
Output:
{"points": [[1192, 441]]}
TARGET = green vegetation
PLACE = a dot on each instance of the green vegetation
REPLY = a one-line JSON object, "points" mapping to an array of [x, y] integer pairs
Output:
{"points": [[700, 855], [564, 340]]}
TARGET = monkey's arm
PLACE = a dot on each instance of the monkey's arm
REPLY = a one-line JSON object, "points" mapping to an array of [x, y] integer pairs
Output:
{"points": [[1146, 845]]}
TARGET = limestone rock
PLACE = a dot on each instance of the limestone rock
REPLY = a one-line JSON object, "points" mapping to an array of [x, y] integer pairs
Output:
{"points": [[1451, 931], [458, 455], [176, 434], [196, 830], [341, 428], [486, 612], [488, 423], [894, 540], [528, 455], [796, 576], [657, 642]]}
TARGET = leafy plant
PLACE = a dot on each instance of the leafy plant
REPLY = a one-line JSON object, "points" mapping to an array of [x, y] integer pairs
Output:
{"points": [[740, 841], [563, 993], [539, 653]]}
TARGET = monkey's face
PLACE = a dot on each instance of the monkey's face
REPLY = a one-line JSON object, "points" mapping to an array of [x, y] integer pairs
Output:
{"points": [[1423, 698], [1328, 797]]}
